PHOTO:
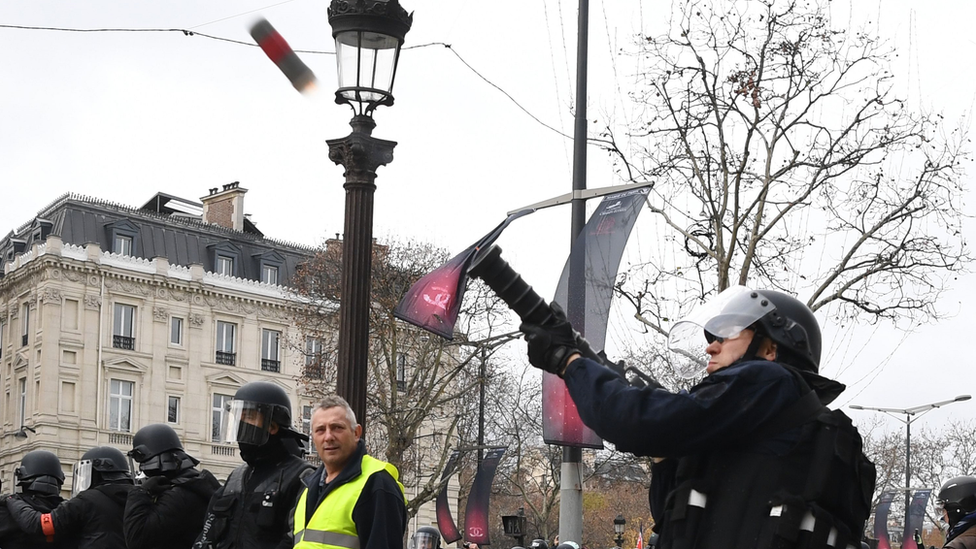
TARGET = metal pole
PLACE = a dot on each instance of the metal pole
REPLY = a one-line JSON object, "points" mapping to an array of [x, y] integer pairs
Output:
{"points": [[360, 154], [908, 465], [481, 410], [571, 485]]}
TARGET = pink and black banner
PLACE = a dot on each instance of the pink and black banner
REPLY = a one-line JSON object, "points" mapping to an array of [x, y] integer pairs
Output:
{"points": [[445, 522], [476, 512], [434, 301], [587, 302], [916, 512], [881, 520]]}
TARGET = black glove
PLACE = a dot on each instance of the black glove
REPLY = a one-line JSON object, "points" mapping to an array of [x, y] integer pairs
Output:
{"points": [[156, 484], [551, 345]]}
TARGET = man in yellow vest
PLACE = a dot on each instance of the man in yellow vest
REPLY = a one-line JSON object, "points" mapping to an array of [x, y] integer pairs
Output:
{"points": [[353, 501]]}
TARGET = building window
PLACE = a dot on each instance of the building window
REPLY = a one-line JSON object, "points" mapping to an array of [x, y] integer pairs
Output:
{"points": [[176, 330], [225, 265], [122, 244], [22, 408], [307, 420], [269, 274], [123, 327], [24, 325], [401, 372], [226, 332], [313, 358], [3, 330], [269, 350], [120, 405], [173, 409], [221, 403]]}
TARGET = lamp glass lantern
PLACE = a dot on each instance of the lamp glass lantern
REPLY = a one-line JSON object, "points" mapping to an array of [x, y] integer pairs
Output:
{"points": [[368, 36], [619, 522]]}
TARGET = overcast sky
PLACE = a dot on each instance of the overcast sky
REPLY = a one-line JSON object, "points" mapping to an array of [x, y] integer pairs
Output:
{"points": [[123, 115]]}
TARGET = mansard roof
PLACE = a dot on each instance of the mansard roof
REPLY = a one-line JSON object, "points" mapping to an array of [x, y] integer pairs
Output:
{"points": [[165, 226]]}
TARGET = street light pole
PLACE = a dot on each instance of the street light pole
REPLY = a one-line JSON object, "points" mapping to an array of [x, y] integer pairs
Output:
{"points": [[911, 414], [368, 35]]}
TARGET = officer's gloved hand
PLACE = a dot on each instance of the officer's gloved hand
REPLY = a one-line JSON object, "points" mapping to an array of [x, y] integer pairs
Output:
{"points": [[550, 346], [156, 484]]}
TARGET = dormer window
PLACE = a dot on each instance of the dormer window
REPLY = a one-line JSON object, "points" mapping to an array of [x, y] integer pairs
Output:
{"points": [[269, 274], [123, 236], [225, 265], [226, 259], [270, 265], [122, 245]]}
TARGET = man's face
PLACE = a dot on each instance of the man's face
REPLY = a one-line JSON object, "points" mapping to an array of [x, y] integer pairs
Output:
{"points": [[254, 417], [334, 438], [725, 351]]}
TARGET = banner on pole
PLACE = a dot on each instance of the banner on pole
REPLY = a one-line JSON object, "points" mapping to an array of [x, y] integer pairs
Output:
{"points": [[914, 516], [598, 249], [476, 512], [445, 521], [881, 520]]}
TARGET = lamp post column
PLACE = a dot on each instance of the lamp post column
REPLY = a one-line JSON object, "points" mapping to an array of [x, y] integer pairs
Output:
{"points": [[360, 154]]}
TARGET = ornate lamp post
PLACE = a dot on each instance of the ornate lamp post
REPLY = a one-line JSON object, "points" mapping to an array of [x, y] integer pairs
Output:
{"points": [[619, 522], [368, 35]]}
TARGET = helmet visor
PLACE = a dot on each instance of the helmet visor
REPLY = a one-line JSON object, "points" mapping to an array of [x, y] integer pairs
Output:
{"points": [[722, 317], [81, 477], [423, 540], [248, 422]]}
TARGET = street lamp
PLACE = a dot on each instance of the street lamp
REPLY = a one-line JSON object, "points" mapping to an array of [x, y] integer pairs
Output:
{"points": [[619, 522], [22, 433], [917, 412], [368, 35]]}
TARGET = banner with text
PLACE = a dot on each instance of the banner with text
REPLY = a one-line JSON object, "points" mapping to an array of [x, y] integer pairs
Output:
{"points": [[476, 512]]}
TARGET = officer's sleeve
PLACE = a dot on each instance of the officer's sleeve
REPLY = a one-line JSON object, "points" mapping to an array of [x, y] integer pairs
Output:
{"points": [[380, 514], [291, 495], [148, 516], [203, 540], [724, 407], [7, 524], [61, 521]]}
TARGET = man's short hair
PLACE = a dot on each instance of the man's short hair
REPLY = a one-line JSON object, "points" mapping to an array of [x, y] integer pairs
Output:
{"points": [[336, 401]]}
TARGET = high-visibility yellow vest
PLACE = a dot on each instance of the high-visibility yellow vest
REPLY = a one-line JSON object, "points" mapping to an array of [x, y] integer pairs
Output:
{"points": [[331, 526]]}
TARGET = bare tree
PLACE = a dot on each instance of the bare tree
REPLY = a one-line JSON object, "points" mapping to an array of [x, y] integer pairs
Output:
{"points": [[419, 386], [781, 157]]}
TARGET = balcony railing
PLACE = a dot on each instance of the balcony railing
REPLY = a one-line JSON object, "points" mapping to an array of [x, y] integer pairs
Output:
{"points": [[226, 359], [270, 365], [123, 342], [223, 450], [123, 439]]}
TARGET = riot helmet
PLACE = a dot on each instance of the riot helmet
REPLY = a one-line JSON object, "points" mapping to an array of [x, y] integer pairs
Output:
{"points": [[158, 450], [538, 543], [97, 466], [780, 317], [426, 537], [253, 410], [568, 545], [40, 471], [958, 498]]}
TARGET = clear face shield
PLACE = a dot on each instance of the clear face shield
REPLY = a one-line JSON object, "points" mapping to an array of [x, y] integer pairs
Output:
{"points": [[248, 422], [722, 317], [423, 540], [81, 477]]}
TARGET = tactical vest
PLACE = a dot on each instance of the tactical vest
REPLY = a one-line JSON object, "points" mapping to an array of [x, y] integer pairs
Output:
{"points": [[817, 496], [331, 525]]}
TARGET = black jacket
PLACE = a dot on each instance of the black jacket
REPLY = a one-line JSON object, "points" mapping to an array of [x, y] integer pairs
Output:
{"points": [[168, 512], [380, 513], [12, 537], [254, 508], [93, 518]]}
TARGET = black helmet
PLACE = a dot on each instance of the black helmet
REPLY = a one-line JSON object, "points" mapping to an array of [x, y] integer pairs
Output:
{"points": [[109, 462], [426, 537], [795, 330], [40, 471], [253, 405], [958, 498], [538, 543], [157, 449]]}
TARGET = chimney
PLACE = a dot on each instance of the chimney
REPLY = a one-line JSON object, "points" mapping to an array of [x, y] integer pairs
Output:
{"points": [[225, 207]]}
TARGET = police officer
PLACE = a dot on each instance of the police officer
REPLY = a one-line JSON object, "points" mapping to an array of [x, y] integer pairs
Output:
{"points": [[168, 508], [40, 478], [426, 537], [957, 498], [744, 445], [253, 507], [538, 543], [93, 516]]}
